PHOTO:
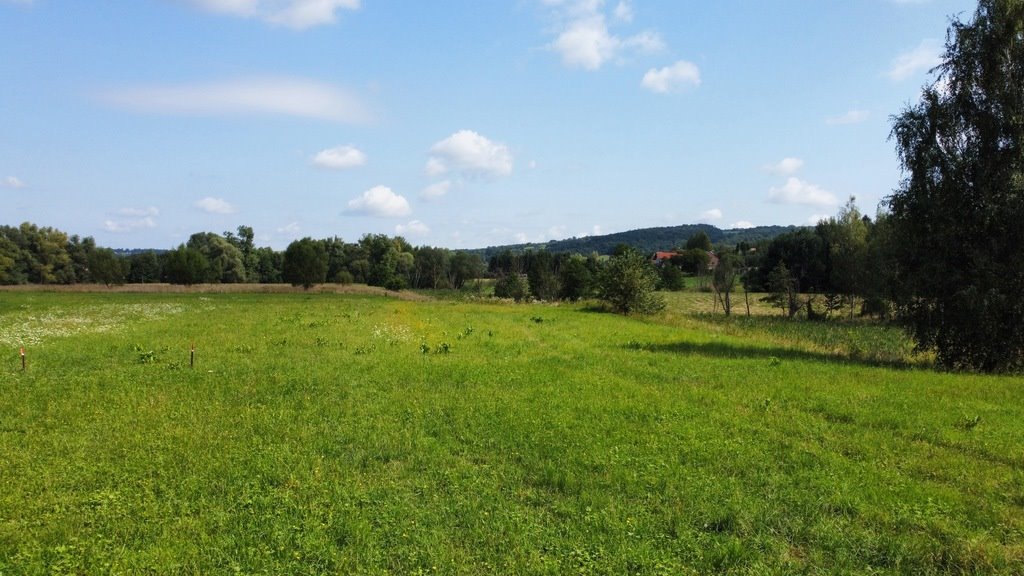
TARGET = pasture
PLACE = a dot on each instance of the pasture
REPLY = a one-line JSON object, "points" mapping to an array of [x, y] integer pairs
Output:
{"points": [[359, 434]]}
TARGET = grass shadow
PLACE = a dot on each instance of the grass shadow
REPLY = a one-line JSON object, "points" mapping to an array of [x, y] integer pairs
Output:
{"points": [[769, 353]]}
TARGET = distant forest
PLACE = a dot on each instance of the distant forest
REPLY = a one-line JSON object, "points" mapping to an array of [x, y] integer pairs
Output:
{"points": [[646, 240]]}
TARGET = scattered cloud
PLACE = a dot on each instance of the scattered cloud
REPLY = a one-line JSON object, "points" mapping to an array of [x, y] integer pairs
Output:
{"points": [[797, 191], [295, 14], [139, 212], [712, 214], [340, 158], [851, 117], [672, 78], [469, 152], [215, 206], [785, 167], [290, 230], [278, 96], [584, 39], [521, 238], [623, 11], [13, 182], [557, 232], [379, 201], [130, 219], [742, 224], [120, 226], [926, 56], [413, 228], [434, 167], [436, 190]]}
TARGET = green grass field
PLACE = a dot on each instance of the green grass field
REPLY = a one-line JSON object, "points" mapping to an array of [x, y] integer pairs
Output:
{"points": [[351, 434]]}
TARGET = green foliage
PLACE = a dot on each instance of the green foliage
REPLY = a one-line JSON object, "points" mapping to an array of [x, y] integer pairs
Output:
{"points": [[782, 290], [464, 267], [699, 241], [512, 285], [269, 266], [186, 266], [224, 259], [693, 261], [957, 215], [846, 238], [671, 277], [305, 263], [105, 267], [542, 276], [628, 282], [244, 243], [723, 279], [143, 267], [576, 277], [34, 255]]}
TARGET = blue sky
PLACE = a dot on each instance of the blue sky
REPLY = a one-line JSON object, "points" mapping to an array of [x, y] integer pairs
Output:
{"points": [[459, 123]]}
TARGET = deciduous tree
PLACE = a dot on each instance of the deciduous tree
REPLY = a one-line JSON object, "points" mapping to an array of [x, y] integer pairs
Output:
{"points": [[957, 214]]}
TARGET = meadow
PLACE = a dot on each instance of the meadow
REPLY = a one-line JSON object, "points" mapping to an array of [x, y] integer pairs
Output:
{"points": [[331, 433]]}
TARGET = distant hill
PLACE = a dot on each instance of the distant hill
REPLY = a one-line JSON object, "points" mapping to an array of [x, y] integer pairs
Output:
{"points": [[645, 239]]}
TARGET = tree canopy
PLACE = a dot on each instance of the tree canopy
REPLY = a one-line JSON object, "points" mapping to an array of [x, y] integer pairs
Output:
{"points": [[957, 214]]}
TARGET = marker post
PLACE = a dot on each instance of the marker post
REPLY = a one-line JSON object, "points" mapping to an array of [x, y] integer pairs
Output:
{"points": [[22, 352]]}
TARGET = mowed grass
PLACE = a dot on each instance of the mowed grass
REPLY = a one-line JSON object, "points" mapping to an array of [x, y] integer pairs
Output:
{"points": [[343, 434]]}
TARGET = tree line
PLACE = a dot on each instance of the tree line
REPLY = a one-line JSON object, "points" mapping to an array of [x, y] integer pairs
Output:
{"points": [[30, 254]]}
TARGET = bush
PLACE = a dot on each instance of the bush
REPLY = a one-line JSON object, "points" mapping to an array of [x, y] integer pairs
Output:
{"points": [[628, 283], [512, 286]]}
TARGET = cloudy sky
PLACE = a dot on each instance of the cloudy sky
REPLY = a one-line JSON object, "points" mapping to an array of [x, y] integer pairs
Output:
{"points": [[458, 123]]}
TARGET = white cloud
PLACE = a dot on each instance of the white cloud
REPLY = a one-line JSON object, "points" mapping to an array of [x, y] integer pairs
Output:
{"points": [[297, 14], [139, 212], [785, 167], [215, 206], [121, 226], [712, 214], [435, 167], [281, 96], [414, 228], [851, 117], [624, 11], [291, 230], [557, 232], [471, 153], [584, 40], [926, 56], [796, 191], [742, 224], [436, 190], [586, 43], [340, 158], [380, 201], [815, 218], [672, 78], [13, 182]]}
